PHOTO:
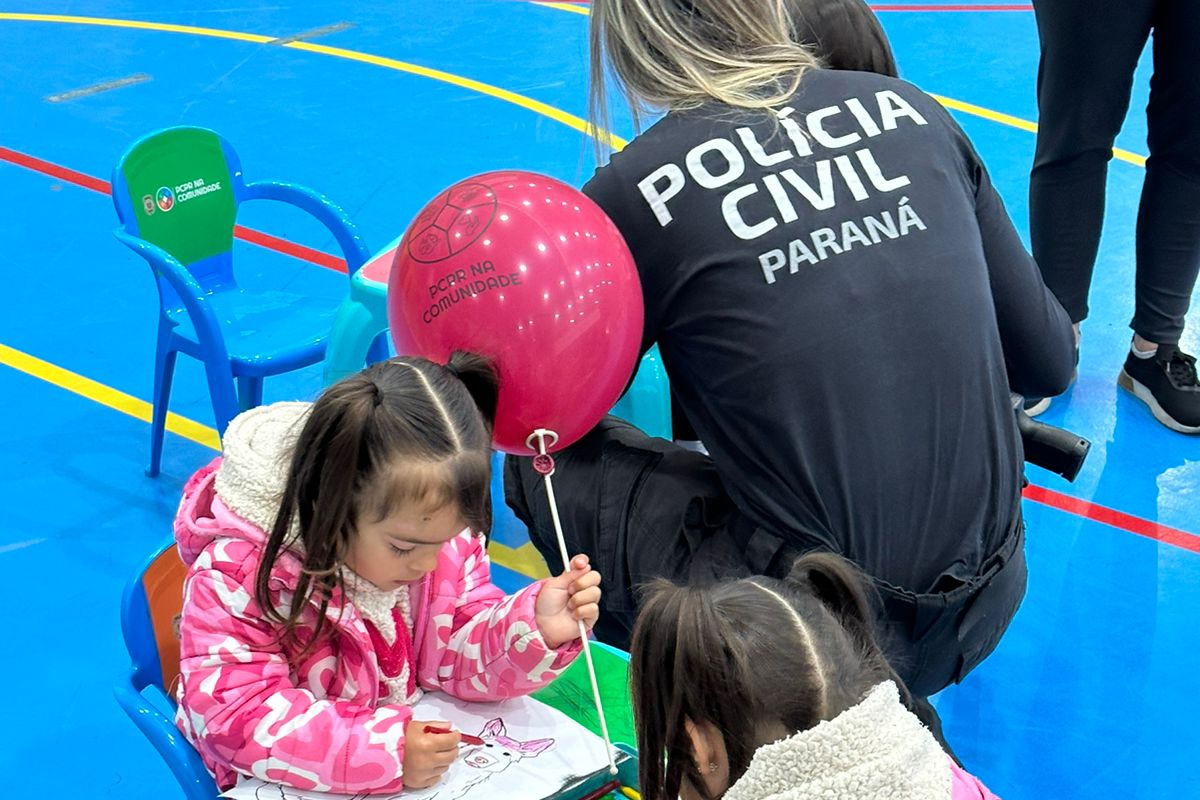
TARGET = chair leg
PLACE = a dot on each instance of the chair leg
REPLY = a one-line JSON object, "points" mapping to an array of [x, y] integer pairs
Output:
{"points": [[224, 395], [164, 371], [355, 339], [250, 392], [380, 349]]}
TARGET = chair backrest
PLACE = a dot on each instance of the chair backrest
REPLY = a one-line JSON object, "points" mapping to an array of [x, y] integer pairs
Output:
{"points": [[150, 610], [179, 188], [646, 403]]}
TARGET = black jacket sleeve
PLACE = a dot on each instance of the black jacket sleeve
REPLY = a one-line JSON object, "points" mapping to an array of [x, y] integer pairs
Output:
{"points": [[1035, 332]]}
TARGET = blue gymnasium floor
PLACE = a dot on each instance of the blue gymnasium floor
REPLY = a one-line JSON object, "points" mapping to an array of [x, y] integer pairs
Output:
{"points": [[1092, 694]]}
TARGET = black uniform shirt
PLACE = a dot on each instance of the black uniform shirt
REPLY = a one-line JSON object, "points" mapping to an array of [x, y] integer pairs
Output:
{"points": [[842, 304]]}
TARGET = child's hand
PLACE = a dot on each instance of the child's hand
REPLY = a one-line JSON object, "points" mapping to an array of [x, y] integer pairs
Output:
{"points": [[566, 600], [428, 755]]}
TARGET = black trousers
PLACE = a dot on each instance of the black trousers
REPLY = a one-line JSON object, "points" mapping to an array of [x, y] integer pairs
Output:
{"points": [[644, 508], [1090, 49]]}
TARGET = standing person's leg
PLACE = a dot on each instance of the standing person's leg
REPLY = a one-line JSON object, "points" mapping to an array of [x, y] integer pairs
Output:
{"points": [[1168, 230], [1089, 53], [641, 508]]}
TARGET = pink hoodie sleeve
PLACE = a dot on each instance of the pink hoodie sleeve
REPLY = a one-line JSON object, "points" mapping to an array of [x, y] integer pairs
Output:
{"points": [[488, 646], [246, 713]]}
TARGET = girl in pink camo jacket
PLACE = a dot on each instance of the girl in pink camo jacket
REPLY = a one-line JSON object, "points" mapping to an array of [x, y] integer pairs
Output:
{"points": [[336, 572]]}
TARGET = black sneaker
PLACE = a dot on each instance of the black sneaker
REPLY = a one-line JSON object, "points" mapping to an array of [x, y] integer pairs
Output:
{"points": [[1167, 384]]}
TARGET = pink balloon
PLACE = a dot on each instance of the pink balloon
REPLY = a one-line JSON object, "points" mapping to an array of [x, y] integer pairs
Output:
{"points": [[529, 272]]}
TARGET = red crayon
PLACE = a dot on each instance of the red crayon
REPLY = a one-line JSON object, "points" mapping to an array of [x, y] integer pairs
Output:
{"points": [[466, 737]]}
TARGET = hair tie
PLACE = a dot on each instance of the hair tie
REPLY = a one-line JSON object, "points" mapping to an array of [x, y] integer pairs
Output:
{"points": [[453, 370], [377, 395]]}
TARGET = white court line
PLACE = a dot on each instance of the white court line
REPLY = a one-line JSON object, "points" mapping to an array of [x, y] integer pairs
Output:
{"points": [[20, 545]]}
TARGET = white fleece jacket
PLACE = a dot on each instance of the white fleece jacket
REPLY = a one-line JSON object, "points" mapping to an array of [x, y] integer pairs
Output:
{"points": [[876, 750]]}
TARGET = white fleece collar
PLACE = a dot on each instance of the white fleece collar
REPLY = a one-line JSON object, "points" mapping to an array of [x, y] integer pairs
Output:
{"points": [[257, 449], [376, 604], [876, 750]]}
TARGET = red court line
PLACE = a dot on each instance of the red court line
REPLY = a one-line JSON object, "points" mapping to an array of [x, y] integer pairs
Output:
{"points": [[1038, 494], [966, 7], [319, 257], [1117, 519], [251, 235], [54, 170]]}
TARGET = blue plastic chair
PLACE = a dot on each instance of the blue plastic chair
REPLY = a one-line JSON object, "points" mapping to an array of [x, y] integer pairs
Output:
{"points": [[646, 404], [359, 334], [177, 194], [150, 608]]}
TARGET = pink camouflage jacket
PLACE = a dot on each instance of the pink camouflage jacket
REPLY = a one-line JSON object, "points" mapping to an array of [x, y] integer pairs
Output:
{"points": [[252, 707]]}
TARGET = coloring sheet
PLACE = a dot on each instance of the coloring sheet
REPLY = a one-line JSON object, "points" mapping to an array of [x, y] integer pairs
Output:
{"points": [[530, 751]]}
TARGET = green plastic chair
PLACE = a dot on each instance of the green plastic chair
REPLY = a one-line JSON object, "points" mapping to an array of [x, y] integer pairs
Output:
{"points": [[177, 192]]}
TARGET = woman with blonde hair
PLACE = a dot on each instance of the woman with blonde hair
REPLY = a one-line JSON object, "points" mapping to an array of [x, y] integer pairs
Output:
{"points": [[842, 305]]}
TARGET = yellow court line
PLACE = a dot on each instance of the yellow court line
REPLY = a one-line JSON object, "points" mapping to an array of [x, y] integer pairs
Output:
{"points": [[105, 395], [572, 7], [138, 24], [538, 107], [986, 113], [524, 559], [528, 103], [957, 105], [1024, 124]]}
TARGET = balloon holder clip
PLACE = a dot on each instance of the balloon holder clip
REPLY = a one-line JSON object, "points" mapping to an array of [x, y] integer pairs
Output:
{"points": [[540, 440], [543, 462]]}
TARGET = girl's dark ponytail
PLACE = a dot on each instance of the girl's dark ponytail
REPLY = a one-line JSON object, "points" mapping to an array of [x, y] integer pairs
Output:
{"points": [[840, 587], [319, 495], [849, 596], [481, 380]]}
